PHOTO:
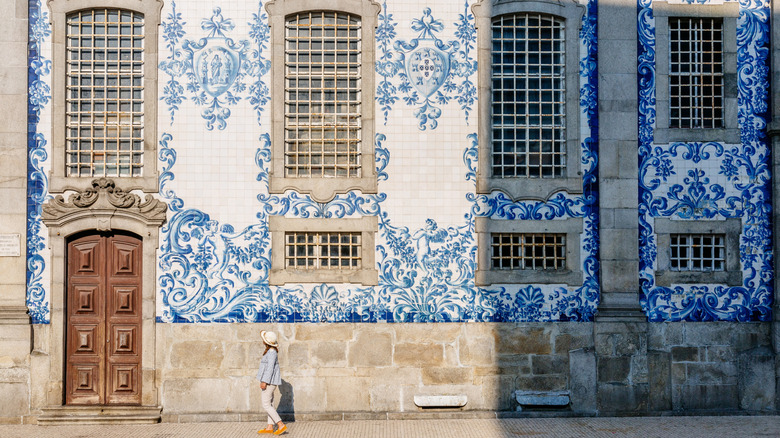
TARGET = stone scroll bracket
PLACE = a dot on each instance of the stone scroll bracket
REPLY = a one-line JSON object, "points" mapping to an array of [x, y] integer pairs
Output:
{"points": [[104, 206]]}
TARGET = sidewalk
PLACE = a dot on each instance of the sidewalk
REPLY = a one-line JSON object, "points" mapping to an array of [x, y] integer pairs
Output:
{"points": [[644, 427]]}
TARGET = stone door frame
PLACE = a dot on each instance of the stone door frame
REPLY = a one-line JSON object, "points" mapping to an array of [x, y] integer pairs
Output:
{"points": [[104, 207]]}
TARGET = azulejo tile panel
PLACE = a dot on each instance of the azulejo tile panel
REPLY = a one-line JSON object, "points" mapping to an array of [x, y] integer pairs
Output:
{"points": [[697, 181], [39, 97], [214, 72], [426, 72]]}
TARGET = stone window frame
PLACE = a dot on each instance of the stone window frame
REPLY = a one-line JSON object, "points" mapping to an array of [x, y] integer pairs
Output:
{"points": [[571, 227], [571, 13], [324, 189], [367, 275], [731, 228], [59, 9], [729, 12]]}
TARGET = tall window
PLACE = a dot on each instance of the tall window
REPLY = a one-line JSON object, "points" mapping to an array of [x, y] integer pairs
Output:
{"points": [[322, 104], [322, 100], [104, 128], [696, 72], [529, 95]]}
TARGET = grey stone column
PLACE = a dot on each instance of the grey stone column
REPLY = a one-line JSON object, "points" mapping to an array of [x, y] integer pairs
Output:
{"points": [[14, 323], [620, 332], [774, 142]]}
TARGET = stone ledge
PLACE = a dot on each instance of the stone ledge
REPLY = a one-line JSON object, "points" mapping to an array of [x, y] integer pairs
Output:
{"points": [[551, 399], [440, 401], [14, 315], [442, 415], [83, 415]]}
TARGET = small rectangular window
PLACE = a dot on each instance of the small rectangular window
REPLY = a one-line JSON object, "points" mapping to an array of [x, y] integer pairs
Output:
{"points": [[323, 250], [697, 252], [529, 96], [104, 132], [322, 95], [528, 251], [696, 72]]}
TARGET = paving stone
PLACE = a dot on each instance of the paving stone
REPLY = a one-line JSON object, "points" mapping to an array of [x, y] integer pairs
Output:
{"points": [[451, 424]]}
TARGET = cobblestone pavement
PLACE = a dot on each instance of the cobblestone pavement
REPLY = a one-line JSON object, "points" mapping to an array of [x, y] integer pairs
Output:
{"points": [[645, 427]]}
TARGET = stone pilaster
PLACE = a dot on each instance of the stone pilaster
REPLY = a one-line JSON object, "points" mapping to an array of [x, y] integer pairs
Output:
{"points": [[620, 332], [774, 139], [14, 323]]}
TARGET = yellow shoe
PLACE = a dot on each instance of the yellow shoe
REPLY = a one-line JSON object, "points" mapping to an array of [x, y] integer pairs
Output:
{"points": [[281, 430], [265, 431]]}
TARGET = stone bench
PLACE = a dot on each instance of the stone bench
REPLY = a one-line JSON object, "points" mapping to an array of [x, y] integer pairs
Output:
{"points": [[553, 399]]}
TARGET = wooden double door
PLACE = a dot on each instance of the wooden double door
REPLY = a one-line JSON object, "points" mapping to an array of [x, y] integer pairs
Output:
{"points": [[103, 351]]}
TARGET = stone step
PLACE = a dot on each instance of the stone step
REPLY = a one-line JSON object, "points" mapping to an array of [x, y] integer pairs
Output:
{"points": [[61, 415]]}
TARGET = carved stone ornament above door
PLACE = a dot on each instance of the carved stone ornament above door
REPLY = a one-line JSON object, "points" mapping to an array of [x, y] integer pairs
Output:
{"points": [[103, 202]]}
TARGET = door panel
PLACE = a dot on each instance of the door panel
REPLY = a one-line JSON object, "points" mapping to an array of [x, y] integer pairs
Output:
{"points": [[104, 320], [84, 383], [124, 320]]}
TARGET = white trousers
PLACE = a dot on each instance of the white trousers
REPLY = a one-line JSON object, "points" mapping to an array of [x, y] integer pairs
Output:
{"points": [[268, 404]]}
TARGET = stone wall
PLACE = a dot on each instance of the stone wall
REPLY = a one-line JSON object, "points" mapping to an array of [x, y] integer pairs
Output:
{"points": [[15, 330], [209, 369], [711, 366], [206, 371]]}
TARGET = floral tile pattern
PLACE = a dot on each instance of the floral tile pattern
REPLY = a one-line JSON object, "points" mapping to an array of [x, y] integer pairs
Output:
{"points": [[696, 181], [39, 96], [213, 272], [214, 73]]}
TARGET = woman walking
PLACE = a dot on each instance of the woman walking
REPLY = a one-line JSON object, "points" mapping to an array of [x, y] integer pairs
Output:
{"points": [[270, 377]]}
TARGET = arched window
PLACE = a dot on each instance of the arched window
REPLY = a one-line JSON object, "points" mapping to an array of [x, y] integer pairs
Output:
{"points": [[104, 94], [322, 108], [322, 97], [104, 113], [529, 143], [528, 104]]}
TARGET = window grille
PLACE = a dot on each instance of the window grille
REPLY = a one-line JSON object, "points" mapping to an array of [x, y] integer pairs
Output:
{"points": [[322, 101], [696, 72], [528, 251], [697, 252], [323, 250], [104, 94], [529, 96]]}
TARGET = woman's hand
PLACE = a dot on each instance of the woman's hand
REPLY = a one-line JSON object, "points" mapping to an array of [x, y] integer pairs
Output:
{"points": [[263, 385]]}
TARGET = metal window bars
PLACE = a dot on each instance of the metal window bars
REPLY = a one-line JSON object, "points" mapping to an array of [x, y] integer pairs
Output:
{"points": [[528, 96], [528, 251], [696, 72], [323, 96], [697, 252], [322, 250], [104, 93]]}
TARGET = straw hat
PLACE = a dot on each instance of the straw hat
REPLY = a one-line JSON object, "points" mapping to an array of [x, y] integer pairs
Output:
{"points": [[269, 338]]}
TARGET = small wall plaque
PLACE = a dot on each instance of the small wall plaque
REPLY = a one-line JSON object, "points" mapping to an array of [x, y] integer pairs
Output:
{"points": [[10, 245]]}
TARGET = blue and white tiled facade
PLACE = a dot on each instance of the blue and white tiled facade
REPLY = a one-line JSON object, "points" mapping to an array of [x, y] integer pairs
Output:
{"points": [[214, 155], [39, 121], [710, 181]]}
